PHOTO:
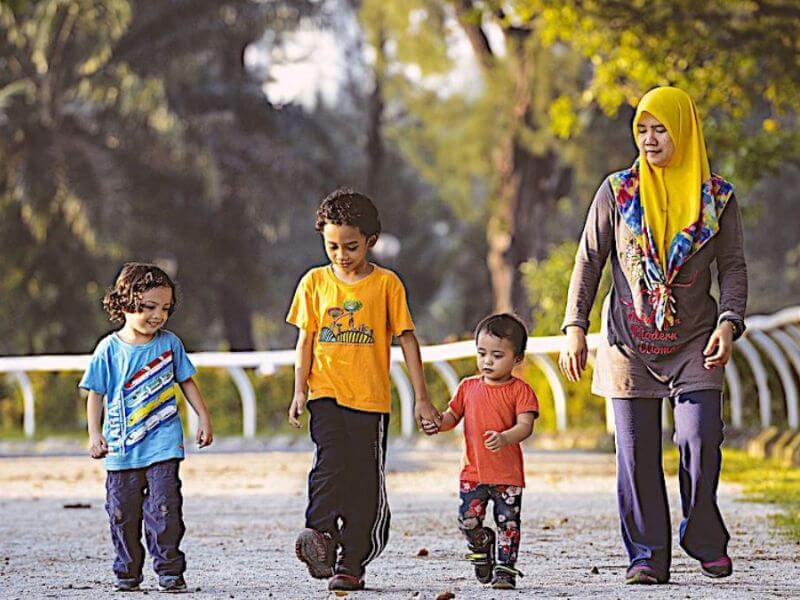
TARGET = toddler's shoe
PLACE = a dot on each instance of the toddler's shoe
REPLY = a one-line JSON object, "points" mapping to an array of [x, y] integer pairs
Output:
{"points": [[716, 569], [482, 557], [345, 582], [173, 584], [505, 577], [128, 585], [318, 551]]}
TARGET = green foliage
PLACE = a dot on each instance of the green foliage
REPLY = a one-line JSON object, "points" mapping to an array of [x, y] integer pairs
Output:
{"points": [[547, 283], [736, 58]]}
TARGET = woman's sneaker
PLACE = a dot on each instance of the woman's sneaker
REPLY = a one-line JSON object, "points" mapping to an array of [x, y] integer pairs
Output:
{"points": [[174, 584], [482, 557], [643, 574], [346, 582], [716, 569], [505, 577], [318, 551]]}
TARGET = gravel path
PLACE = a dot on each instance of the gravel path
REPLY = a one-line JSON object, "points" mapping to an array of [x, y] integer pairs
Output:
{"points": [[244, 510]]}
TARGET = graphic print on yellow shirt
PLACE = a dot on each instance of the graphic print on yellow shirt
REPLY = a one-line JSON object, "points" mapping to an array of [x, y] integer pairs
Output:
{"points": [[352, 325], [335, 333]]}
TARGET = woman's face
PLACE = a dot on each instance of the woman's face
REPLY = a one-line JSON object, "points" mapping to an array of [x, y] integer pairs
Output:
{"points": [[654, 141]]}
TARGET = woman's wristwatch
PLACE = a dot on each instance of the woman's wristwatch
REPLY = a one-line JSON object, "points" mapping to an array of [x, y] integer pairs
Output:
{"points": [[737, 326]]}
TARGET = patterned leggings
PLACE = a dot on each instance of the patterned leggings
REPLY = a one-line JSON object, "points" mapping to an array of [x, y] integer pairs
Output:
{"points": [[507, 501]]}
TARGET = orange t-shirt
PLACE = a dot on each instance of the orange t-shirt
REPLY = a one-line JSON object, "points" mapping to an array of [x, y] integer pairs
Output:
{"points": [[352, 325], [486, 407]]}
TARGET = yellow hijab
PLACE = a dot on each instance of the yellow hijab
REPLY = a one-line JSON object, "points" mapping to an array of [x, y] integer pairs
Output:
{"points": [[670, 195]]}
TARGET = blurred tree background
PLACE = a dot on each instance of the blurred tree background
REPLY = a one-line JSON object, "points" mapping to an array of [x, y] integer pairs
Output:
{"points": [[200, 134]]}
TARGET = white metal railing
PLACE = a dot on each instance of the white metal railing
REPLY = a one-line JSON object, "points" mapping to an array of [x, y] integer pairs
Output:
{"points": [[775, 337]]}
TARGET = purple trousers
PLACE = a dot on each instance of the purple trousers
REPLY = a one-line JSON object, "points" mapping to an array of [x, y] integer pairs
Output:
{"points": [[642, 495], [151, 495]]}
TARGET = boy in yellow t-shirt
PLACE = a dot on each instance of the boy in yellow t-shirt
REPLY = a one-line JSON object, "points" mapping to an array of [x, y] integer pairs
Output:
{"points": [[346, 313]]}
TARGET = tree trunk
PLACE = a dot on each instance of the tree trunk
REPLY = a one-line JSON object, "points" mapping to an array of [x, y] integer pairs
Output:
{"points": [[237, 317], [528, 185], [529, 189], [375, 148]]}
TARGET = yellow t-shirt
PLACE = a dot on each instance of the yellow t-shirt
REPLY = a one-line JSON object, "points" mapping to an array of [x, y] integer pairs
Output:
{"points": [[352, 326]]}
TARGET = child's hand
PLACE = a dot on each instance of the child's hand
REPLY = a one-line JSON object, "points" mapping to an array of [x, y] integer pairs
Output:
{"points": [[296, 409], [424, 410], [429, 427], [204, 436], [494, 441], [98, 446]]}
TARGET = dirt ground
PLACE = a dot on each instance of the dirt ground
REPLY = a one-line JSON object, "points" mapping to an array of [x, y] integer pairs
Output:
{"points": [[243, 511]]}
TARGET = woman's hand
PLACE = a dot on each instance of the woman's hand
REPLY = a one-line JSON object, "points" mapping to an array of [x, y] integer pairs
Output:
{"points": [[719, 347], [572, 360]]}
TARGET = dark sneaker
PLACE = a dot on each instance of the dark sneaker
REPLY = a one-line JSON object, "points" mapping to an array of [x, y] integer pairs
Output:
{"points": [[345, 582], [643, 574], [173, 584], [318, 551], [482, 557], [127, 585], [505, 577], [716, 569]]}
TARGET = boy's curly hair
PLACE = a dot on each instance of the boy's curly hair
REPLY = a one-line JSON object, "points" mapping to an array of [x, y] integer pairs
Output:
{"points": [[507, 327], [134, 280], [345, 206]]}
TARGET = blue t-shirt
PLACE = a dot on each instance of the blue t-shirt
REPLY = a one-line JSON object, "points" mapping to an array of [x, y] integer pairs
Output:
{"points": [[141, 425]]}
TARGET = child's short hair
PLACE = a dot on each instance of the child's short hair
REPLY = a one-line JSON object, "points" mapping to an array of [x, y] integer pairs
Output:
{"points": [[134, 280], [505, 326], [345, 206]]}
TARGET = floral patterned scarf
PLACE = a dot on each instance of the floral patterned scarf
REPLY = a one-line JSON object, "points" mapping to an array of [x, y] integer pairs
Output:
{"points": [[658, 281]]}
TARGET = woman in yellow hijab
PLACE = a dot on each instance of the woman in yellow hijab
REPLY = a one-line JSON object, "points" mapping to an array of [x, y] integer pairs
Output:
{"points": [[671, 175], [663, 222]]}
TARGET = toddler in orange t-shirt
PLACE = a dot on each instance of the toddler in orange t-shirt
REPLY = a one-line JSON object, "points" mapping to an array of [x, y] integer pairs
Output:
{"points": [[498, 411]]}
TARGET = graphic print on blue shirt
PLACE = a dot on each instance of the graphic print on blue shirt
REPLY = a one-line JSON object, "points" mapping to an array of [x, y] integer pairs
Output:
{"points": [[141, 425], [150, 395]]}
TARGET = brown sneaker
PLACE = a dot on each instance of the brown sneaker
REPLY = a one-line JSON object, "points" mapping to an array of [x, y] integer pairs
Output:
{"points": [[318, 551], [345, 582], [643, 574]]}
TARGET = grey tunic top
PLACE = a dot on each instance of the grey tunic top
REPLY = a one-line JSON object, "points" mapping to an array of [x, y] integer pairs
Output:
{"points": [[636, 360]]}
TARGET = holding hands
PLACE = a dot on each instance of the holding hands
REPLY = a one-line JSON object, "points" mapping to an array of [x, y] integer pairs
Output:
{"points": [[427, 417], [429, 427]]}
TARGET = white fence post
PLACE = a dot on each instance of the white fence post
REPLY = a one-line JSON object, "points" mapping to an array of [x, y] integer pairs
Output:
{"points": [[777, 336]]}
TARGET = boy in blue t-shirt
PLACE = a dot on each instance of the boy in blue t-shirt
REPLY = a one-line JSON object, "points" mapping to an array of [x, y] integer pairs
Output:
{"points": [[132, 377]]}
